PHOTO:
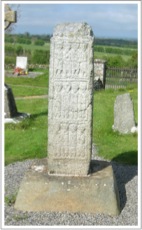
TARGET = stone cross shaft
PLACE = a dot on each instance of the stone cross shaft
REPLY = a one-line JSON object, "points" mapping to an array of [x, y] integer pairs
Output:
{"points": [[70, 99]]}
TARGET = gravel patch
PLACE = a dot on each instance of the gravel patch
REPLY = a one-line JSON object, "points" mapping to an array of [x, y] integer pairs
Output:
{"points": [[127, 181], [29, 75]]}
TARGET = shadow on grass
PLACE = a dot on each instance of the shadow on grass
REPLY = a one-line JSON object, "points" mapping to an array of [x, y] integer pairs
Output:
{"points": [[28, 122], [127, 162], [123, 170], [34, 116], [130, 158]]}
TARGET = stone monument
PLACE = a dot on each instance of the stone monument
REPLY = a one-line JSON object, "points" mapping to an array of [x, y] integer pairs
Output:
{"points": [[99, 74], [123, 114], [22, 62], [70, 100], [10, 109], [21, 66], [68, 180]]}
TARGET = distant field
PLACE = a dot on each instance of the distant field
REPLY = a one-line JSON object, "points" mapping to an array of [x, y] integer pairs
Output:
{"points": [[31, 46], [118, 47], [46, 46], [101, 55], [97, 54], [123, 51]]}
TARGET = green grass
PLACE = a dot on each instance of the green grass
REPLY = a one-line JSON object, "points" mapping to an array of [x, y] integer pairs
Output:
{"points": [[29, 86], [102, 55], [21, 91], [117, 47], [28, 139], [40, 81], [10, 199], [31, 47], [112, 145]]}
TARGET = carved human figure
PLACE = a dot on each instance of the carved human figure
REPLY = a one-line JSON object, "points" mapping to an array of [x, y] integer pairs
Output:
{"points": [[82, 73], [75, 69], [57, 100], [58, 49], [82, 101], [64, 140], [54, 141], [59, 68], [81, 141], [67, 52], [75, 55], [74, 101], [51, 100], [67, 70], [83, 51], [65, 100], [72, 140]]}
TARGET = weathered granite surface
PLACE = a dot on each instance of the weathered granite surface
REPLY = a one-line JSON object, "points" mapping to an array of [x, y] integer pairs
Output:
{"points": [[123, 114], [70, 99], [99, 74], [96, 193]]}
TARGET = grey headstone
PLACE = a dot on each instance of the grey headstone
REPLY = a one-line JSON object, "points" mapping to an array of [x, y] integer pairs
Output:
{"points": [[123, 114], [70, 99]]}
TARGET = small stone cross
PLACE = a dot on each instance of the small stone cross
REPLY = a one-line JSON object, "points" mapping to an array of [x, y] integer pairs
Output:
{"points": [[10, 17]]}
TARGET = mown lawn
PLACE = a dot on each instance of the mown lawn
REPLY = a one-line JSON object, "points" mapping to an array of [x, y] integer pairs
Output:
{"points": [[31, 47], [112, 145], [103, 55], [28, 139], [22, 86], [40, 81], [97, 55]]}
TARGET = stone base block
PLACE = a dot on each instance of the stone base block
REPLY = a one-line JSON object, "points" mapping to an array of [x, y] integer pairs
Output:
{"points": [[95, 193], [18, 118], [69, 167]]}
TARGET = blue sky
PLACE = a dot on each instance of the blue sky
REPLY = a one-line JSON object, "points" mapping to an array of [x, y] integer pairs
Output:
{"points": [[109, 20]]}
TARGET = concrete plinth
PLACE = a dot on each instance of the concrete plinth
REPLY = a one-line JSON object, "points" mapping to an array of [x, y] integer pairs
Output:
{"points": [[95, 193]]}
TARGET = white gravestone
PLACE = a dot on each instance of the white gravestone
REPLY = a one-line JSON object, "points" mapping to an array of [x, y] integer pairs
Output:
{"points": [[70, 99], [22, 62]]}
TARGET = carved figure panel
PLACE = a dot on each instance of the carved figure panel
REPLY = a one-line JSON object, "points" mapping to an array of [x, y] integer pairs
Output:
{"points": [[70, 99]]}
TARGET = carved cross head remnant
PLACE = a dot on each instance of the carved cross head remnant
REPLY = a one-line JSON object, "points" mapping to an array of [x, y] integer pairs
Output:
{"points": [[10, 16]]}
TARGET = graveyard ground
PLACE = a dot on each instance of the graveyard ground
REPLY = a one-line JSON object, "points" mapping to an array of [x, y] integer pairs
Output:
{"points": [[28, 139]]}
